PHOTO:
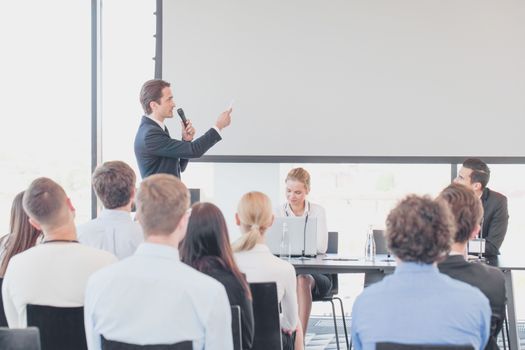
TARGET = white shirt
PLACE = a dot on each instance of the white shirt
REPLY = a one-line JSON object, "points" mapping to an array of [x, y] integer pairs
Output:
{"points": [[113, 231], [53, 274], [313, 211], [260, 265], [153, 298]]}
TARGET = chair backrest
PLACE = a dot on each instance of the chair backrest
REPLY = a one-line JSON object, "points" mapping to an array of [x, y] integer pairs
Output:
{"points": [[333, 248], [19, 339], [333, 243], [116, 345], [3, 320], [397, 346], [61, 328], [236, 327], [267, 332]]}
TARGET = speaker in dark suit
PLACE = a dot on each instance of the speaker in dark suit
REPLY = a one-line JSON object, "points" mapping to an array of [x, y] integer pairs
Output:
{"points": [[155, 150], [495, 220], [476, 174]]}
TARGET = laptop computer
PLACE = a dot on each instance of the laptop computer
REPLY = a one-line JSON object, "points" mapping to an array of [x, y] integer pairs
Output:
{"points": [[303, 235]]}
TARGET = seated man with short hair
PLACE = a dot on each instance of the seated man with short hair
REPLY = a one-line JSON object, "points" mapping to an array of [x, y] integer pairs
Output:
{"points": [[468, 211], [113, 230], [55, 272], [417, 304], [152, 297]]}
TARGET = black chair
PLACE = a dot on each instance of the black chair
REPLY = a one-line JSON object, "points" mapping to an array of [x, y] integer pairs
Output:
{"points": [[116, 345], [267, 332], [19, 339], [333, 248], [397, 346], [3, 320], [236, 327], [61, 328]]}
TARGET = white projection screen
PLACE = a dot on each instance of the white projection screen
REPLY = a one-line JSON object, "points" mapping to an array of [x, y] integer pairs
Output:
{"points": [[351, 78]]}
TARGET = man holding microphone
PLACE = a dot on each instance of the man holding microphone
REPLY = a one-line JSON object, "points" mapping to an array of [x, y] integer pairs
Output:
{"points": [[155, 150]]}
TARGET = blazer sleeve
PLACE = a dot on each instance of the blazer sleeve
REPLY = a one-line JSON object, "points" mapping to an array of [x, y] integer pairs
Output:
{"points": [[160, 144]]}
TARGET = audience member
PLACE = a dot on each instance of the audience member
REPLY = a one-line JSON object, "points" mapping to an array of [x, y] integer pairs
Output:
{"points": [[254, 216], [152, 297], [467, 210], [417, 304], [22, 234], [476, 174], [313, 285], [55, 272], [113, 230], [206, 248]]}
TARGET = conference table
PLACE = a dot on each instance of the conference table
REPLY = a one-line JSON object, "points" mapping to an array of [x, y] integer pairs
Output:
{"points": [[334, 263]]}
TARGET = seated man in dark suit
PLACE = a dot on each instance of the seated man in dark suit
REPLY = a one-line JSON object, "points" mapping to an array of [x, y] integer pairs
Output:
{"points": [[476, 174], [155, 150], [467, 209]]}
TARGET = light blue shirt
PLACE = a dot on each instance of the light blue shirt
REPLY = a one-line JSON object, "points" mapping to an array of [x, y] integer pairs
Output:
{"points": [[419, 305], [153, 298], [113, 231]]}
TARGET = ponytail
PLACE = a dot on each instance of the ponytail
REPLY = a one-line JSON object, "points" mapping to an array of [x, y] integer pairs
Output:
{"points": [[248, 240], [255, 214]]}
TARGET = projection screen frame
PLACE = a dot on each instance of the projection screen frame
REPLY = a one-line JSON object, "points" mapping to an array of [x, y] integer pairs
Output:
{"points": [[452, 160]]}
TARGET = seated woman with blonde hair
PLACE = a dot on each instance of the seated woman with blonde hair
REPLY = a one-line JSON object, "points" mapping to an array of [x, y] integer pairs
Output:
{"points": [[315, 285], [254, 215]]}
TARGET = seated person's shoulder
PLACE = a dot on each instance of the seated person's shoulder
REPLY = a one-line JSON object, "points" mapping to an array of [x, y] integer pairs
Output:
{"points": [[491, 273]]}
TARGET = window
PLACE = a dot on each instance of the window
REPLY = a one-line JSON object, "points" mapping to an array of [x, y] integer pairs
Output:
{"points": [[46, 99]]}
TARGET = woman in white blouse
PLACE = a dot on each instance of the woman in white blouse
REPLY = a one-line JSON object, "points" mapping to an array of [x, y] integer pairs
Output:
{"points": [[312, 285], [254, 215]]}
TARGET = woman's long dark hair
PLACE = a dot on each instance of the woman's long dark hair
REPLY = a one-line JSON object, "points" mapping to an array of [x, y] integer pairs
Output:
{"points": [[207, 245], [22, 234]]}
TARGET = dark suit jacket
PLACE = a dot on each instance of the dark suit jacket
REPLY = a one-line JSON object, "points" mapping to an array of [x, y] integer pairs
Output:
{"points": [[237, 296], [495, 220], [157, 152], [490, 280]]}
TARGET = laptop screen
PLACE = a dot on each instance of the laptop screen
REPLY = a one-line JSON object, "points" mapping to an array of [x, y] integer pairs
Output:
{"points": [[302, 232]]}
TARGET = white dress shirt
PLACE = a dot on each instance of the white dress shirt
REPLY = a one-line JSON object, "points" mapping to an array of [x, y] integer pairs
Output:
{"points": [[113, 231], [53, 274], [260, 265], [153, 298], [311, 210]]}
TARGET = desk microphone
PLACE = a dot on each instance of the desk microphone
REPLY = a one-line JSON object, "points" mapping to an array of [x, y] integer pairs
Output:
{"points": [[480, 253], [180, 112], [304, 235]]}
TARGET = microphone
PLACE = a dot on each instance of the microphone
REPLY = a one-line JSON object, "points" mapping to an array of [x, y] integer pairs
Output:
{"points": [[180, 112]]}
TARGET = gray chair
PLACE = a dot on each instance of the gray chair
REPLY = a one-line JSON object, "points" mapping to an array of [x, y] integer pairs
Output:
{"points": [[333, 248], [116, 345], [3, 320], [267, 332], [61, 328], [236, 327], [398, 346], [19, 339]]}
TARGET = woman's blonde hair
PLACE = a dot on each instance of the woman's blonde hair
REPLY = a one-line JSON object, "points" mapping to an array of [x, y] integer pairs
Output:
{"points": [[301, 175], [255, 216]]}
